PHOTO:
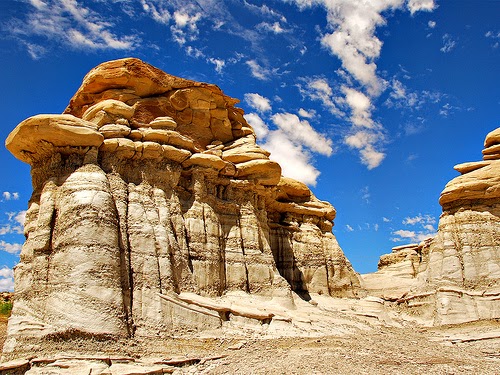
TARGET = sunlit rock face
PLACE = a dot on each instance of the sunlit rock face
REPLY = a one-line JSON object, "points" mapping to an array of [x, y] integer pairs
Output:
{"points": [[454, 277], [150, 186]]}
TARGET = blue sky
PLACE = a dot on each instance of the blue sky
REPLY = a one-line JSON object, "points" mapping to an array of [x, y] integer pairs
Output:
{"points": [[370, 102]]}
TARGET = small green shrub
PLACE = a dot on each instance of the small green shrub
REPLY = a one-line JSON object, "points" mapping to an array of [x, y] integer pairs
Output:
{"points": [[5, 308]]}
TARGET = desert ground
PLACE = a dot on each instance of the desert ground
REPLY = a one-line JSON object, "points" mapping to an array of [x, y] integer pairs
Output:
{"points": [[459, 349]]}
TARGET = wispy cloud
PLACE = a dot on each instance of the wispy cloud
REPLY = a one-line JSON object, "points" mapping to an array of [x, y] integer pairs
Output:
{"points": [[318, 88], [185, 27], [449, 43], [259, 71], [422, 228], [14, 224], [71, 23], [495, 35]]}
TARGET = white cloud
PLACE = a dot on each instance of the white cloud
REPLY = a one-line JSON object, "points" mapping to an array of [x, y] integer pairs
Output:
{"points": [[421, 5], [431, 24], [185, 26], [307, 114], [319, 89], [19, 217], [291, 143], [349, 228], [295, 161], [365, 194], [425, 229], [364, 141], [15, 225], [273, 28], [157, 11], [448, 43], [361, 107], [386, 220], [258, 125], [403, 233], [258, 71], [301, 132], [258, 102], [71, 23], [219, 64], [7, 195], [354, 41], [12, 248], [419, 219], [6, 279]]}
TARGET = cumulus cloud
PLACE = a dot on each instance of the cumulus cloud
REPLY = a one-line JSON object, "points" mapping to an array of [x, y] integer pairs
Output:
{"points": [[294, 159], [360, 106], [258, 102], [6, 279], [421, 5], [301, 132], [258, 125], [291, 142], [12, 248], [307, 114], [366, 141], [157, 11], [351, 36]]}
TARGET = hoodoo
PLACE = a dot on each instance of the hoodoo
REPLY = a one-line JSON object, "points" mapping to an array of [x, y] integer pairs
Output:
{"points": [[454, 277], [150, 199]]}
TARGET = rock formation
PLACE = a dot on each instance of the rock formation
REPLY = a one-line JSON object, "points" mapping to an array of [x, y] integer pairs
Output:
{"points": [[454, 277], [151, 199]]}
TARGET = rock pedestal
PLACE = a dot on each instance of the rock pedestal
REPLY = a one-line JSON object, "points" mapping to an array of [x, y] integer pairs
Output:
{"points": [[456, 275], [149, 187]]}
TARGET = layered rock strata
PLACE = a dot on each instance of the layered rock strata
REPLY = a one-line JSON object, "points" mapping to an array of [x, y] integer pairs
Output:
{"points": [[454, 278], [149, 187]]}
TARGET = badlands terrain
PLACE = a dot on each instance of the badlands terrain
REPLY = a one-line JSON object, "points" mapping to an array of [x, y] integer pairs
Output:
{"points": [[160, 238]]}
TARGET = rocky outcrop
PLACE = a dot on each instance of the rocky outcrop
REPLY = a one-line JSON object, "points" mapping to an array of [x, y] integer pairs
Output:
{"points": [[149, 187], [453, 278]]}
